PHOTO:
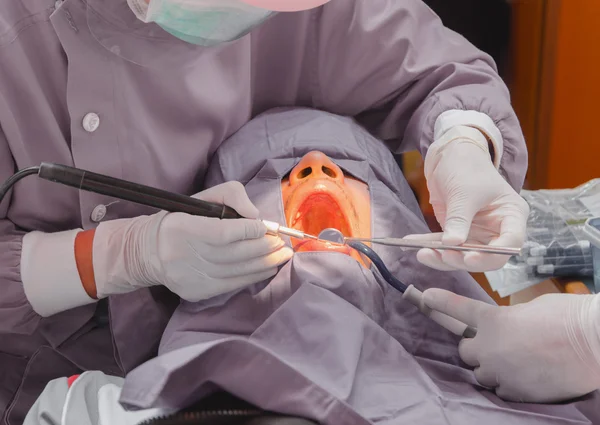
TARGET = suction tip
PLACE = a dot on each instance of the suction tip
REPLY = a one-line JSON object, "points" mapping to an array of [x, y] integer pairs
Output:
{"points": [[332, 235]]}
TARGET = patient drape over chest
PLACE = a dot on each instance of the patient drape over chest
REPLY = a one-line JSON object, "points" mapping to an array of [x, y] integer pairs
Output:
{"points": [[326, 338]]}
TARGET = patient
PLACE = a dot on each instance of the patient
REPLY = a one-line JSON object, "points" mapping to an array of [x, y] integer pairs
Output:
{"points": [[317, 195], [326, 338]]}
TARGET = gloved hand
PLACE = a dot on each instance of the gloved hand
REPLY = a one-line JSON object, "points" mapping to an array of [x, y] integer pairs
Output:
{"points": [[195, 257], [471, 201], [547, 350]]}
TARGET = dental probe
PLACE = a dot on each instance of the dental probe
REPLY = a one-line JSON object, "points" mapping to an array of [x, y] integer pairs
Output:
{"points": [[139, 194], [409, 243]]}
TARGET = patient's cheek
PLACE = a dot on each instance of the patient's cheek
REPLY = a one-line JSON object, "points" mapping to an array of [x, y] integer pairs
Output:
{"points": [[359, 192], [285, 190], [361, 197]]}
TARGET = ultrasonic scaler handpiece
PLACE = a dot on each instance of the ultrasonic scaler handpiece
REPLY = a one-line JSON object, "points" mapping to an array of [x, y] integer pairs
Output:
{"points": [[139, 194]]}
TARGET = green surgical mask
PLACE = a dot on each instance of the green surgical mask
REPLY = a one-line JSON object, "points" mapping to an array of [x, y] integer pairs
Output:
{"points": [[201, 22]]}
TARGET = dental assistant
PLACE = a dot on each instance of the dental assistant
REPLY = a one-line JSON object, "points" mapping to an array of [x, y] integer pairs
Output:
{"points": [[543, 351], [147, 92]]}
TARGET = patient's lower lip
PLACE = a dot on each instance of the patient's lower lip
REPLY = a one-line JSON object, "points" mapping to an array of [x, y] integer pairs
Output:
{"points": [[312, 245]]}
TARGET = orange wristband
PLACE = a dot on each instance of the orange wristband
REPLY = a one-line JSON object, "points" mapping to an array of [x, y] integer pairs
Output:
{"points": [[84, 245]]}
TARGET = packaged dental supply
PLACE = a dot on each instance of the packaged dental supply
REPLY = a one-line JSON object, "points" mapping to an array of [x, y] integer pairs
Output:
{"points": [[556, 244], [592, 233]]}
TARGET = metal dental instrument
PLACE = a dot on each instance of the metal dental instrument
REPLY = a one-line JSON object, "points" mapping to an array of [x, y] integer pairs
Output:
{"points": [[409, 292], [406, 243], [139, 194], [277, 229], [332, 235]]}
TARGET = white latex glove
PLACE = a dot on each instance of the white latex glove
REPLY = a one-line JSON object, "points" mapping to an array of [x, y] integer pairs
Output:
{"points": [[471, 201], [547, 350], [195, 257]]}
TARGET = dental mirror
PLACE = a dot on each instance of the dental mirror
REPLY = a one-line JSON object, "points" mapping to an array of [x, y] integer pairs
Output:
{"points": [[332, 235]]}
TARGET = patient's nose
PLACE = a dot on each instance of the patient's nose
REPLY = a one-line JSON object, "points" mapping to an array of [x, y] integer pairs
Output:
{"points": [[315, 165]]}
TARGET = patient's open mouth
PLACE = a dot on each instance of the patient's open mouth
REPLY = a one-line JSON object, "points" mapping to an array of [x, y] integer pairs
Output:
{"points": [[317, 212]]}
